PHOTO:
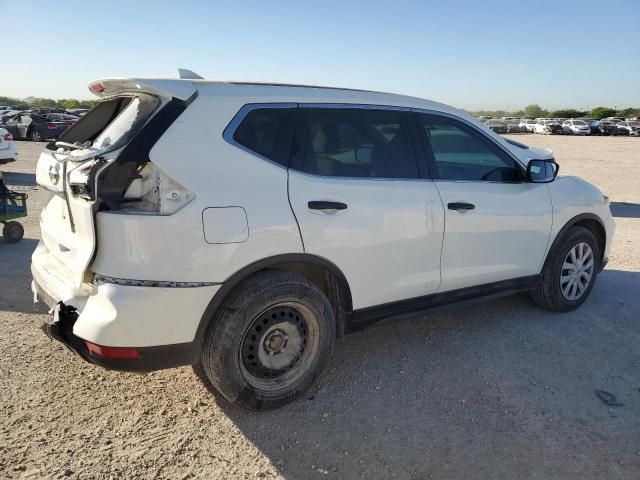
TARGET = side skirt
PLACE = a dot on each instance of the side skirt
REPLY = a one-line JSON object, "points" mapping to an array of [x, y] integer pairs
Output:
{"points": [[364, 317]]}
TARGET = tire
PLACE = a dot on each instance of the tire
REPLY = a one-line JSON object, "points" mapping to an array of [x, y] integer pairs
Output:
{"points": [[12, 232], [35, 136], [268, 342], [556, 292]]}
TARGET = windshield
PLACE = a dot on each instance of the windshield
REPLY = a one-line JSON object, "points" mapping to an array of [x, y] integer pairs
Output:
{"points": [[634, 124], [579, 122]]}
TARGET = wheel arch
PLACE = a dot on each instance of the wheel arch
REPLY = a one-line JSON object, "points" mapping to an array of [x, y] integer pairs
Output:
{"points": [[591, 222], [318, 270]]}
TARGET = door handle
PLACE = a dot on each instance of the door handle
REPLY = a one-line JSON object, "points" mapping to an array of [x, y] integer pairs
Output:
{"points": [[461, 206], [324, 205]]}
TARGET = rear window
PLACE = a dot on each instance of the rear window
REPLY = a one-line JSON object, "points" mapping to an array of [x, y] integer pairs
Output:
{"points": [[111, 123]]}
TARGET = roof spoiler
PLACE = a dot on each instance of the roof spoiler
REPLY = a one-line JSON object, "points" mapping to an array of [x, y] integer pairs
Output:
{"points": [[182, 89]]}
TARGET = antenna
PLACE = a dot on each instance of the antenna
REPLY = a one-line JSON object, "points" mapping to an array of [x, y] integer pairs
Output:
{"points": [[185, 74]]}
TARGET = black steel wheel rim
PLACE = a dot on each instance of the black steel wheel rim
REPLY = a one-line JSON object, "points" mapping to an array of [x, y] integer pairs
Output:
{"points": [[278, 346]]}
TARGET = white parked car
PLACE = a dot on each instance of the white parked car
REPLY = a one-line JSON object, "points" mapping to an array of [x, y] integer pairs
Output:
{"points": [[576, 127], [527, 125], [241, 227], [547, 127], [7, 145]]}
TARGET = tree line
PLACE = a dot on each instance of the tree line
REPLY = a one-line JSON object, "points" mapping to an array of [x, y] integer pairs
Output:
{"points": [[30, 102], [536, 111]]}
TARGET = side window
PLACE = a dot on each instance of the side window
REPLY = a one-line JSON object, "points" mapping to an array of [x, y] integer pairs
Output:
{"points": [[268, 132], [345, 142], [460, 153]]}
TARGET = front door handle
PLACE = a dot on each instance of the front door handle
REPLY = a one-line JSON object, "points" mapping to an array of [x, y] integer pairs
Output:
{"points": [[461, 206], [324, 205]]}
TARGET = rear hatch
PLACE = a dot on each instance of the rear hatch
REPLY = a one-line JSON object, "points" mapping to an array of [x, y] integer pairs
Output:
{"points": [[89, 169]]}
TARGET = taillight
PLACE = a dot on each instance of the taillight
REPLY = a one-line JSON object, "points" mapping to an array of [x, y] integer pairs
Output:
{"points": [[8, 137], [97, 87], [154, 193], [52, 126]]}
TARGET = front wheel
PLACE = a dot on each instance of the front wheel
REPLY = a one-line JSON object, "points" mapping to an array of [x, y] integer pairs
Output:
{"points": [[570, 272], [36, 136], [269, 341]]}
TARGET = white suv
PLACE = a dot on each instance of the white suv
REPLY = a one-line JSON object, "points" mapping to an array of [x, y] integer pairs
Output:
{"points": [[241, 227]]}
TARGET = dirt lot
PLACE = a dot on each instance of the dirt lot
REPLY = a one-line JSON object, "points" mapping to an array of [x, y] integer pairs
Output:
{"points": [[497, 389]]}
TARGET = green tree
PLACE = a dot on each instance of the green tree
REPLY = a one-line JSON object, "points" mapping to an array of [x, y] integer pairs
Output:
{"points": [[534, 111], [627, 112], [567, 113], [602, 112]]}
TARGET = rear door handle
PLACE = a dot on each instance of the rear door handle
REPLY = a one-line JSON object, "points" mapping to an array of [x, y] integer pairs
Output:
{"points": [[461, 206], [324, 205]]}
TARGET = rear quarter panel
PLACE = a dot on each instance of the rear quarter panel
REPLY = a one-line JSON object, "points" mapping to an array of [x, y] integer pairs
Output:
{"points": [[173, 248]]}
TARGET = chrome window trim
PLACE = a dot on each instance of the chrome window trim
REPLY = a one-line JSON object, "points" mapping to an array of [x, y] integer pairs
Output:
{"points": [[230, 129], [355, 106]]}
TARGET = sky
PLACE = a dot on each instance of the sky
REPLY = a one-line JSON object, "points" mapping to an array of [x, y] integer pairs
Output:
{"points": [[485, 54]]}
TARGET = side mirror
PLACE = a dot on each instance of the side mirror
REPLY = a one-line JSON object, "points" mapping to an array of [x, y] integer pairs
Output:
{"points": [[542, 171]]}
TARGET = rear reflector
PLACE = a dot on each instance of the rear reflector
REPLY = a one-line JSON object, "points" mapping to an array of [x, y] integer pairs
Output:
{"points": [[114, 353], [8, 137]]}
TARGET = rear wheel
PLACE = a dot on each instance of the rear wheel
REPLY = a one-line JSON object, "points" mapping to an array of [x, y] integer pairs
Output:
{"points": [[570, 272], [12, 232], [269, 341]]}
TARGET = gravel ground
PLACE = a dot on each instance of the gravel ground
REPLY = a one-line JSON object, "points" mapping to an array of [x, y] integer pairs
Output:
{"points": [[493, 389]]}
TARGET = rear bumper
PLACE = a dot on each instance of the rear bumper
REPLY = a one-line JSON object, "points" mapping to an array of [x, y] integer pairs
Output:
{"points": [[147, 358], [159, 322]]}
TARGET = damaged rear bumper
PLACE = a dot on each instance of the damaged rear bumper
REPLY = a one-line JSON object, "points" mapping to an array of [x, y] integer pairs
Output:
{"points": [[128, 359]]}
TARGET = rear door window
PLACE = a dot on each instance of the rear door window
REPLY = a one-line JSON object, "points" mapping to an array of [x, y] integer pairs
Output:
{"points": [[365, 142]]}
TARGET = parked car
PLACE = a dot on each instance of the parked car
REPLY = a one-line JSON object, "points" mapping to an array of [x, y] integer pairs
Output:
{"points": [[46, 110], [527, 124], [349, 233], [62, 117], [605, 127], [7, 145], [77, 111], [629, 127], [496, 125], [548, 127], [6, 114], [576, 127], [512, 124], [32, 126], [484, 118]]}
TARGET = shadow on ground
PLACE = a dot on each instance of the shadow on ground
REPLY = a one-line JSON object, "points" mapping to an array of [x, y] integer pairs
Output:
{"points": [[501, 389], [625, 210], [15, 275]]}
